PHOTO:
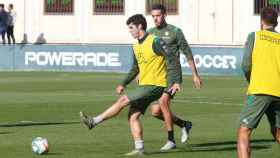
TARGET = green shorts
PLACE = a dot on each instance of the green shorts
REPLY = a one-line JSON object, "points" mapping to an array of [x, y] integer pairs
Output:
{"points": [[256, 107], [142, 97]]}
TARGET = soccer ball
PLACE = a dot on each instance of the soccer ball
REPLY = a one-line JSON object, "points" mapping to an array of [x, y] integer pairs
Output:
{"points": [[40, 145]]}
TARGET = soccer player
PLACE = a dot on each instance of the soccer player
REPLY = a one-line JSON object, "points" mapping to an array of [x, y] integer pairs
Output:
{"points": [[3, 22], [155, 66], [261, 66], [177, 43], [11, 23]]}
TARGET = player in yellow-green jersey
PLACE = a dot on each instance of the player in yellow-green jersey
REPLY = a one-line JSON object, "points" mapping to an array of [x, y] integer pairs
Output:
{"points": [[157, 70], [261, 66]]}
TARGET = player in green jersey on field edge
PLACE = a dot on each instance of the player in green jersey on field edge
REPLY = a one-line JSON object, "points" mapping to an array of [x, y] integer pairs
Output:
{"points": [[177, 43]]}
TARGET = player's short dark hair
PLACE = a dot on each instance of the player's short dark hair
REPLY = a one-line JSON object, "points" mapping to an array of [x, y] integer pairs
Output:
{"points": [[11, 6], [160, 7], [137, 19], [2, 5], [269, 16]]}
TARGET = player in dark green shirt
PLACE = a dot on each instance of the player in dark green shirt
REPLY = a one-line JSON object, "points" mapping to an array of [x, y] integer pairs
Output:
{"points": [[177, 44]]}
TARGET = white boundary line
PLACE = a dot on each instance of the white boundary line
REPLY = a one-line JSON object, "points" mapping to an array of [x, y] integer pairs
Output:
{"points": [[205, 102]]}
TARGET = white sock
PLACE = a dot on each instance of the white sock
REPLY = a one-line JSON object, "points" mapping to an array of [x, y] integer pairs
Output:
{"points": [[139, 144], [98, 119]]}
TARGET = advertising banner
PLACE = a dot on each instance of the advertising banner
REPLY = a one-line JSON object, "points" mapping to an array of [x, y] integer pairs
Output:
{"points": [[109, 58]]}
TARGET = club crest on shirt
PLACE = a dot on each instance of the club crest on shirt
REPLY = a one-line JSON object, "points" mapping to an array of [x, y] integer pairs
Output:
{"points": [[166, 36]]}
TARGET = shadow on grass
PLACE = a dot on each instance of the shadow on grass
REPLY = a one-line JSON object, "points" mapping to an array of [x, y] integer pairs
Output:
{"points": [[5, 133], [25, 124], [258, 141], [53, 154], [217, 146]]}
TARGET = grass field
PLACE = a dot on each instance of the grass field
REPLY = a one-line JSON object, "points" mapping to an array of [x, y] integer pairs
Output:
{"points": [[47, 104]]}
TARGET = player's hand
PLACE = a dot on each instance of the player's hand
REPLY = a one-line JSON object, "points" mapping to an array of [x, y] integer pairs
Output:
{"points": [[175, 88], [120, 89], [197, 82]]}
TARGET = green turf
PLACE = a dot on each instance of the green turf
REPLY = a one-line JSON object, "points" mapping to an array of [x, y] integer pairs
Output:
{"points": [[47, 104]]}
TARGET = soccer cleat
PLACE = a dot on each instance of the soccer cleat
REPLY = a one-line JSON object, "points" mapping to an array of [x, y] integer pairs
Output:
{"points": [[168, 146], [89, 122], [186, 131], [135, 152]]}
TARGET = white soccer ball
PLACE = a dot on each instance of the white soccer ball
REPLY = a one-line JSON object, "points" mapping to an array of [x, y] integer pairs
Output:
{"points": [[40, 145]]}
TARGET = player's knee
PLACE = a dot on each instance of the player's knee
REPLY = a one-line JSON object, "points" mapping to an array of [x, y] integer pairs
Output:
{"points": [[243, 132], [243, 129], [277, 140], [123, 100], [164, 106], [155, 111], [277, 137], [133, 117], [164, 102]]}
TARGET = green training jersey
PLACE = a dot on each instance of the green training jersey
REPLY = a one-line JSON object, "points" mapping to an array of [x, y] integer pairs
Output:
{"points": [[174, 38]]}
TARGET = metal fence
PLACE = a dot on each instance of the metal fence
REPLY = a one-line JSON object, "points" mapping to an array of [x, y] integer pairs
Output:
{"points": [[108, 6], [59, 6], [260, 4], [171, 5]]}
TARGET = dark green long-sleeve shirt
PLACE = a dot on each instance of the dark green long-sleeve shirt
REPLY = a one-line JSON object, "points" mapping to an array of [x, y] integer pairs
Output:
{"points": [[175, 39], [247, 56], [174, 75]]}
